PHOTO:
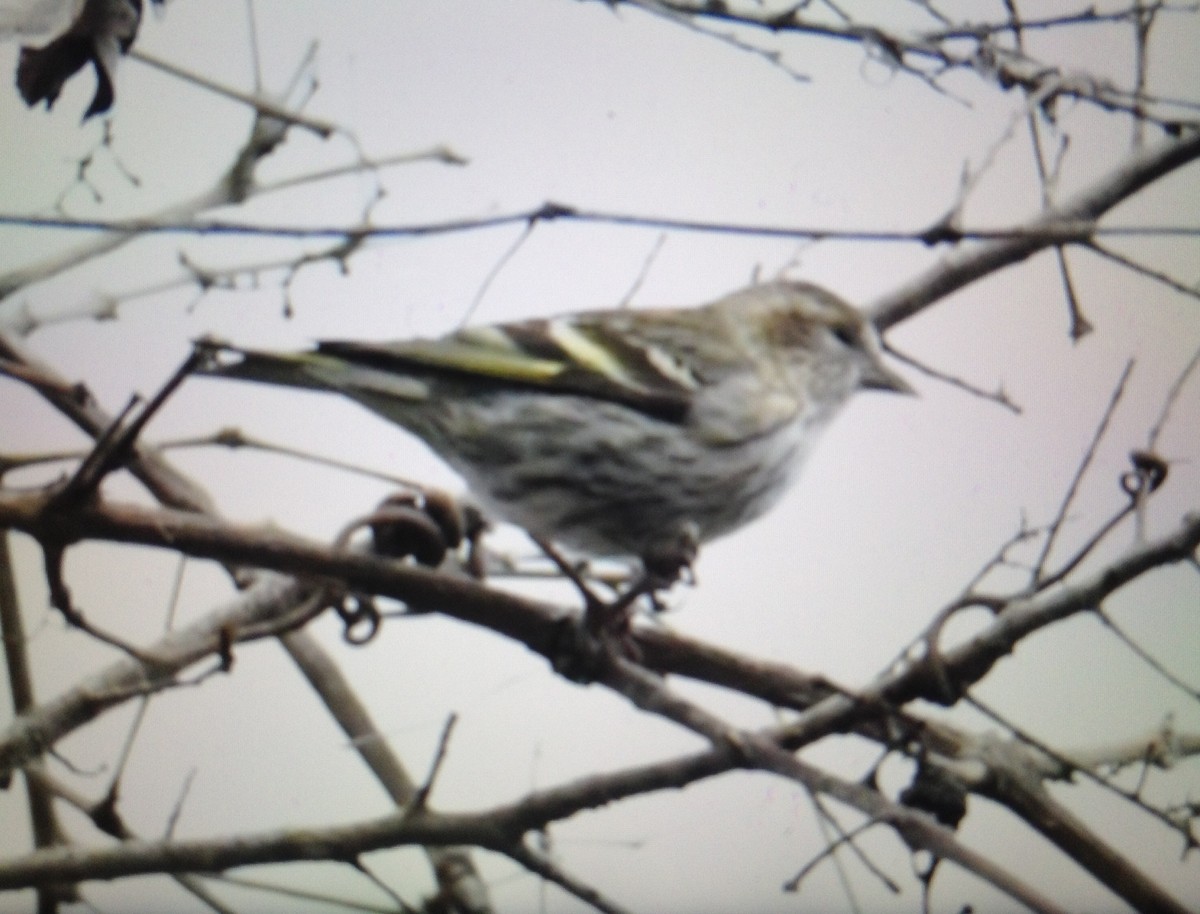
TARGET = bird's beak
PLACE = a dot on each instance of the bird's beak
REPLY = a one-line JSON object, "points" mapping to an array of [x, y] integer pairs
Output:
{"points": [[879, 377]]}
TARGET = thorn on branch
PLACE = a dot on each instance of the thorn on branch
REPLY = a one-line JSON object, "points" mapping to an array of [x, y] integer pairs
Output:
{"points": [[177, 809], [116, 445], [421, 797], [105, 817], [230, 437], [43, 381], [448, 156], [1080, 325], [226, 636], [95, 466], [786, 19], [550, 211], [204, 279], [944, 231]]}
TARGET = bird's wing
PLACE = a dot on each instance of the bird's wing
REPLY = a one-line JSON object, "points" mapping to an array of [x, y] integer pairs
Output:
{"points": [[584, 356]]}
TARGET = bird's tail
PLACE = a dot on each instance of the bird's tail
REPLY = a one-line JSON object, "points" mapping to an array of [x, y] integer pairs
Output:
{"points": [[311, 369], [289, 369]]}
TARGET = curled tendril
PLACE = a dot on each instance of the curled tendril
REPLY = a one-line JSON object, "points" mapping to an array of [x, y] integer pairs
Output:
{"points": [[423, 525], [357, 610], [400, 530], [1148, 473]]}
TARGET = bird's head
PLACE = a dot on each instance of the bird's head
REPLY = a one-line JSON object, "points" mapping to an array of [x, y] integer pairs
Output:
{"points": [[807, 323]]}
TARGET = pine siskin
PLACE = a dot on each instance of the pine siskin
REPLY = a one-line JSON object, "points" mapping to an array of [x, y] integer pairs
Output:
{"points": [[615, 432]]}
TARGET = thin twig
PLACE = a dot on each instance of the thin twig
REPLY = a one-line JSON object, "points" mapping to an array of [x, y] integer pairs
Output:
{"points": [[1145, 656], [999, 396], [177, 807], [1142, 270], [644, 271], [264, 106], [1089, 455], [115, 448], [421, 798], [495, 271], [1169, 403]]}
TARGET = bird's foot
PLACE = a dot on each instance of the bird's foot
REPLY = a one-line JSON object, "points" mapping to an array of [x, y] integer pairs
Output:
{"points": [[663, 566], [605, 632]]}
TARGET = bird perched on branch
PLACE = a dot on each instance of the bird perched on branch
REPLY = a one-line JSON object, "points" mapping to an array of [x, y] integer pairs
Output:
{"points": [[621, 432]]}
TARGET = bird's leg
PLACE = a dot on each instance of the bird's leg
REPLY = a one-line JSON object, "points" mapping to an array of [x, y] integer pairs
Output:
{"points": [[663, 565], [571, 571], [606, 629], [670, 561]]}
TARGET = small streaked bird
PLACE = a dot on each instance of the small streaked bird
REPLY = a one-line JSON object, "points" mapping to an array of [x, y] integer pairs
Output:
{"points": [[614, 433]]}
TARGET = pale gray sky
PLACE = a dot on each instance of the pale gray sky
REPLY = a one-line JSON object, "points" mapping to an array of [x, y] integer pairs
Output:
{"points": [[903, 501]]}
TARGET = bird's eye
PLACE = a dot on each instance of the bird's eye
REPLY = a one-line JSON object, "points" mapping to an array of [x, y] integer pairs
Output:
{"points": [[845, 335]]}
